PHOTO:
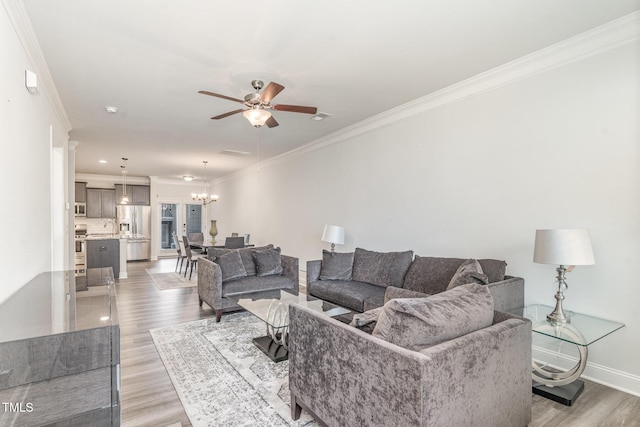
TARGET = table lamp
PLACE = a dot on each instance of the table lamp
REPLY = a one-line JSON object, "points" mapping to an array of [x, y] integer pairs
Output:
{"points": [[333, 234], [565, 248]]}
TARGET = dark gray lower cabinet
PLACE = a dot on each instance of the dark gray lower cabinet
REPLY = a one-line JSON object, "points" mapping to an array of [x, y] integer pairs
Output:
{"points": [[104, 253]]}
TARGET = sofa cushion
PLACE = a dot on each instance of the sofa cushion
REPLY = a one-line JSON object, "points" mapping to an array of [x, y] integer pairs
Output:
{"points": [[468, 272], [336, 266], [431, 275], [381, 268], [245, 254], [418, 323], [231, 266], [268, 262], [347, 293], [252, 284]]}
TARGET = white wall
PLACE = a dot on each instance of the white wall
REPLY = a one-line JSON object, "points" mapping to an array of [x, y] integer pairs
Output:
{"points": [[25, 166], [476, 178]]}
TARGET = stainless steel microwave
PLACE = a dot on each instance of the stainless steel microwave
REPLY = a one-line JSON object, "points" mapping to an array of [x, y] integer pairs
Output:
{"points": [[81, 209]]}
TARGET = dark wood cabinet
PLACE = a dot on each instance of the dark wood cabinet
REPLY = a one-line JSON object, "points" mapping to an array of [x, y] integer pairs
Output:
{"points": [[104, 253], [101, 203], [138, 194], [81, 192]]}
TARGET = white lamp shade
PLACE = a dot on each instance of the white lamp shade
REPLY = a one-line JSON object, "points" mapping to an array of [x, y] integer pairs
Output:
{"points": [[333, 234], [563, 247], [257, 117]]}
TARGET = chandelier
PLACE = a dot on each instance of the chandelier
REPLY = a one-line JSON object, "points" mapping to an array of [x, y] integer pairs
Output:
{"points": [[204, 197]]}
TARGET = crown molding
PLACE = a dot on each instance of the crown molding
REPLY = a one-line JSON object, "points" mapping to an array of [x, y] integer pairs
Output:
{"points": [[24, 30], [605, 37]]}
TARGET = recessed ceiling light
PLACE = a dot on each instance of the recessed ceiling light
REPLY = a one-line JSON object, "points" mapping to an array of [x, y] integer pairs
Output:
{"points": [[187, 178], [102, 161], [320, 116], [111, 110]]}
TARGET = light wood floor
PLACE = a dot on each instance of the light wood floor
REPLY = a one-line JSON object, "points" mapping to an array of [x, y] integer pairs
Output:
{"points": [[149, 399]]}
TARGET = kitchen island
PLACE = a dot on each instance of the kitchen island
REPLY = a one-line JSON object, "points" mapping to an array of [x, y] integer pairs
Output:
{"points": [[60, 353], [108, 250]]}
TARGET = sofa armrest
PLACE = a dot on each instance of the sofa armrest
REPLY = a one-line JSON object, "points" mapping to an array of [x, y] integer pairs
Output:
{"points": [[313, 271], [291, 269], [508, 294], [210, 283]]}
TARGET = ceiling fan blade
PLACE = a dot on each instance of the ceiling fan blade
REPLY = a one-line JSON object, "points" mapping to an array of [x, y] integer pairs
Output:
{"points": [[217, 95], [271, 122], [230, 113], [270, 92], [295, 108]]}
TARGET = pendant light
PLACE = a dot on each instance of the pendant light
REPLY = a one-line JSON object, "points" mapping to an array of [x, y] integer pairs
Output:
{"points": [[125, 198]]}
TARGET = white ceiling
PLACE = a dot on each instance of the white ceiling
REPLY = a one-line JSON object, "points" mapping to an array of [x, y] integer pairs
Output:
{"points": [[351, 59]]}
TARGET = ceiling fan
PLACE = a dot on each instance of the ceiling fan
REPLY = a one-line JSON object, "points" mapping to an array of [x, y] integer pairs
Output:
{"points": [[259, 104]]}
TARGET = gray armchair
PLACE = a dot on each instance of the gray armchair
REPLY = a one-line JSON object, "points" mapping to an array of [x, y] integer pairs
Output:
{"points": [[346, 377]]}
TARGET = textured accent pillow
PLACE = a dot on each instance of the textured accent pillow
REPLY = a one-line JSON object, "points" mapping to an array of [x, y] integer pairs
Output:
{"points": [[494, 269], [418, 323], [231, 266], [469, 271], [336, 266], [268, 262], [366, 321], [213, 253], [247, 258], [381, 268]]}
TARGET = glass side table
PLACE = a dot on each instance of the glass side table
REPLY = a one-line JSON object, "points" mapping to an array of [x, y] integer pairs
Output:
{"points": [[581, 331]]}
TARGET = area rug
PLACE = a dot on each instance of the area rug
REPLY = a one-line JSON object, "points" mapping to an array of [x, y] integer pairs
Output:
{"points": [[222, 378], [171, 280]]}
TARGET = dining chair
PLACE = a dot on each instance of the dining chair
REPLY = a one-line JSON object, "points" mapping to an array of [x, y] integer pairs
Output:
{"points": [[192, 259], [181, 252], [234, 242]]}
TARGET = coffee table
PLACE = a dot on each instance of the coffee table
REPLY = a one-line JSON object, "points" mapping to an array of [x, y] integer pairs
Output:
{"points": [[272, 307]]}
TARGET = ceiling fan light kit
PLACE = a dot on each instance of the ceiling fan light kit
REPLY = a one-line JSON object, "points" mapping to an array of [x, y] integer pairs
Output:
{"points": [[259, 103], [257, 116]]}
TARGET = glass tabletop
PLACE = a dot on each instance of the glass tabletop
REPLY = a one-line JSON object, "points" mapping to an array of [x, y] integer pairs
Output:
{"points": [[581, 330], [272, 307]]}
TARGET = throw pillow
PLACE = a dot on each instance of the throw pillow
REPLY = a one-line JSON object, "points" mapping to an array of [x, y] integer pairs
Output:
{"points": [[268, 262], [418, 323], [336, 266], [381, 268], [247, 258], [231, 266], [469, 271], [494, 269]]}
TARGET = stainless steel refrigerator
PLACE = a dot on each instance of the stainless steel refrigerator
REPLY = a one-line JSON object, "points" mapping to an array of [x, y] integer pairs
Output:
{"points": [[134, 222]]}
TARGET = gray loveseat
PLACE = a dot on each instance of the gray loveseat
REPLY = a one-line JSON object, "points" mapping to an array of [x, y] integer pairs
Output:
{"points": [[358, 280], [243, 271], [476, 372]]}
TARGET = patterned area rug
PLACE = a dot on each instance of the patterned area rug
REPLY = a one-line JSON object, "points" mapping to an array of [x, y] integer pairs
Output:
{"points": [[222, 378], [171, 280]]}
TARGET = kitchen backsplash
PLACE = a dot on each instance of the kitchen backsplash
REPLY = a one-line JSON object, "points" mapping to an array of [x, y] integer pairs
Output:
{"points": [[98, 225]]}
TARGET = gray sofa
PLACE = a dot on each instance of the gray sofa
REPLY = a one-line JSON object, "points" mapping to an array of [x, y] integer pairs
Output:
{"points": [[360, 283], [228, 272], [346, 377]]}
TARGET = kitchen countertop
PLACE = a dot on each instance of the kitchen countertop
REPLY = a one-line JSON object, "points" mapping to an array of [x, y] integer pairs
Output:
{"points": [[107, 236]]}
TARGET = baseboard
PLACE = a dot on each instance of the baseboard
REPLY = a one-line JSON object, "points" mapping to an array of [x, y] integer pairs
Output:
{"points": [[600, 374]]}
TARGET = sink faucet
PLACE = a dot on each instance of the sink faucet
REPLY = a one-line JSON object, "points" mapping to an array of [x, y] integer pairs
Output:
{"points": [[113, 224]]}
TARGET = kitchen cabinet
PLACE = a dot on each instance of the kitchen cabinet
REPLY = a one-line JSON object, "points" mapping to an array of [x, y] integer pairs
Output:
{"points": [[81, 192], [138, 194], [101, 203], [104, 253]]}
